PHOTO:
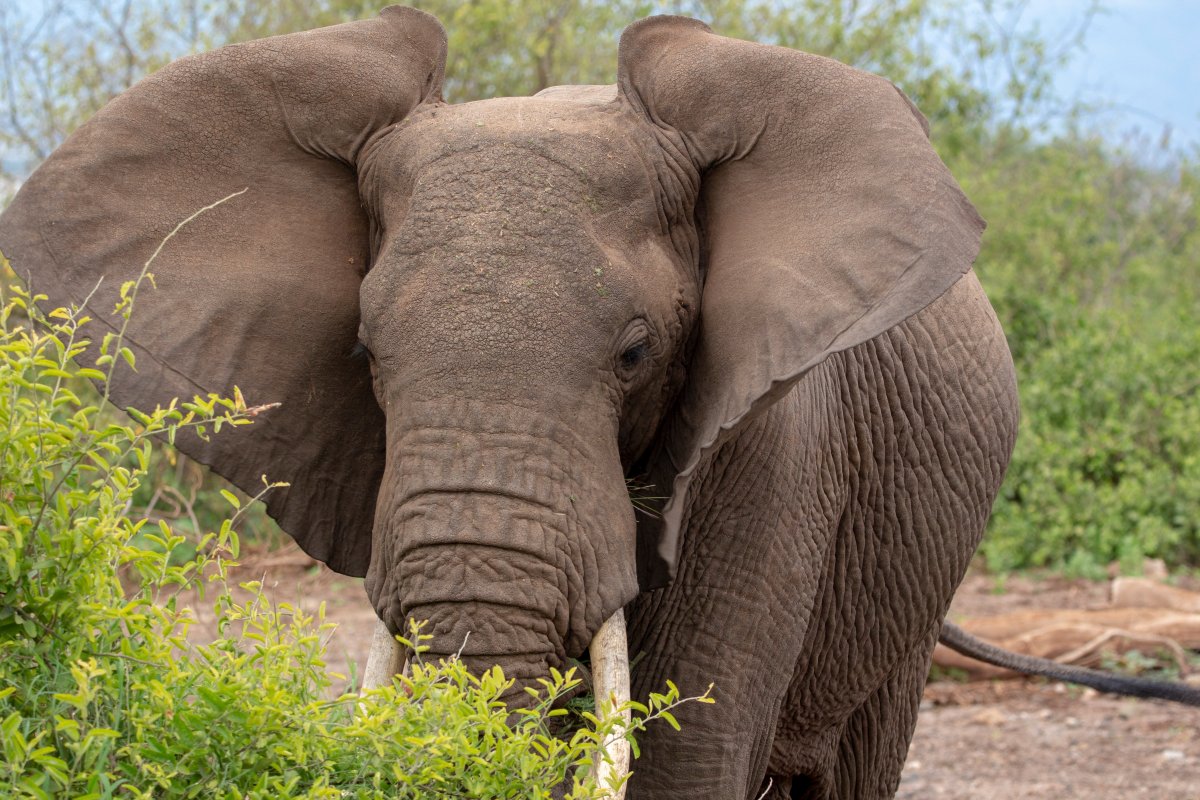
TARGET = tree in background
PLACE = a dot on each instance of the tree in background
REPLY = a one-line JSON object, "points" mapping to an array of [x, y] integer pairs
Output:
{"points": [[62, 60], [1091, 256]]}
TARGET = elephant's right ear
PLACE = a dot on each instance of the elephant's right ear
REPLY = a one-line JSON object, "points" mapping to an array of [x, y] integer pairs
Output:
{"points": [[262, 291], [827, 219]]}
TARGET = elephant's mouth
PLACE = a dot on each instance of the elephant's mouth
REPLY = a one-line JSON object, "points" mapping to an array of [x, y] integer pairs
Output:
{"points": [[610, 681]]}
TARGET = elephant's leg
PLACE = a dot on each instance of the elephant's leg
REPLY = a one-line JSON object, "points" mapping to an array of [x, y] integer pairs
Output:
{"points": [[861, 757], [935, 417], [737, 611], [870, 755]]}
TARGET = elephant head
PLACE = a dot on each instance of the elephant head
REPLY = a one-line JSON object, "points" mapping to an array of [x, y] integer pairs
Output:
{"points": [[550, 295]]}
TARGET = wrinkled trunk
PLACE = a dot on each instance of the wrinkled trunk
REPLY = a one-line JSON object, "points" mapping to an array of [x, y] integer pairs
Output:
{"points": [[504, 530], [487, 603]]}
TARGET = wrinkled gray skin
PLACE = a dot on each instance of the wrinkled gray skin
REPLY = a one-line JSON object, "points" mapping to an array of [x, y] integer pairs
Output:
{"points": [[840, 487], [742, 277]]}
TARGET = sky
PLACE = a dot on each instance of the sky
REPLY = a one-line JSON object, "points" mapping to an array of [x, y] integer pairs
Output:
{"points": [[1140, 62], [1141, 58]]}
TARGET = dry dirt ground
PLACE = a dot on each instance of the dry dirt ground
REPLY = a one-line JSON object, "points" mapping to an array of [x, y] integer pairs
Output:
{"points": [[1002, 740], [997, 740]]}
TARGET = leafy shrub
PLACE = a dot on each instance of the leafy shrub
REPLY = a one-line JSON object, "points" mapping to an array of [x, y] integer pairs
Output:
{"points": [[177, 490], [103, 695], [1092, 267], [1107, 464]]}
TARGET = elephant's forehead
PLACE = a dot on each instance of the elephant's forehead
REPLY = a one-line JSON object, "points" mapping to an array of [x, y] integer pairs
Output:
{"points": [[523, 181], [506, 221], [597, 152]]}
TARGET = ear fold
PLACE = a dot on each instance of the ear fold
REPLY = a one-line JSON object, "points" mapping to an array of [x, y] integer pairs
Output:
{"points": [[828, 218], [261, 292]]}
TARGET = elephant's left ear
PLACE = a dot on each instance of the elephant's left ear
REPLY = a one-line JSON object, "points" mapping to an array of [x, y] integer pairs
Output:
{"points": [[829, 218], [262, 291]]}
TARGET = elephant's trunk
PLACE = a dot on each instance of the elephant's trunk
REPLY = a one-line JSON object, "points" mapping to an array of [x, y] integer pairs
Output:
{"points": [[508, 532], [488, 604]]}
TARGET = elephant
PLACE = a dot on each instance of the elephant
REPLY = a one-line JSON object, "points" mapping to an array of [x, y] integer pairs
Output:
{"points": [[736, 286]]}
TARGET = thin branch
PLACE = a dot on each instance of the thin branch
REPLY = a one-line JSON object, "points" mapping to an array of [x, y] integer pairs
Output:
{"points": [[137, 284]]}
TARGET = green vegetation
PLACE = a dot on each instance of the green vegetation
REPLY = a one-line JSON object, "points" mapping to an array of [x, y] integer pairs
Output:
{"points": [[1092, 257], [1093, 264], [1163, 664], [103, 693]]}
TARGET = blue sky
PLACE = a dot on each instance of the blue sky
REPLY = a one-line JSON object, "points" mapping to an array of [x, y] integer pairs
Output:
{"points": [[1142, 57]]}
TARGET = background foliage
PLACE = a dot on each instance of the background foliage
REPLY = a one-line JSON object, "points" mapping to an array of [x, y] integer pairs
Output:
{"points": [[1092, 258]]}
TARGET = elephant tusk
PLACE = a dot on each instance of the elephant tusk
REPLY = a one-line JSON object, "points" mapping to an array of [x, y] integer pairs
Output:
{"points": [[385, 660], [610, 682]]}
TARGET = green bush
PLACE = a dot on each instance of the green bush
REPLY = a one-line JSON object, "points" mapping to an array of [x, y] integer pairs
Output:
{"points": [[102, 694], [1091, 263], [179, 491], [1107, 464]]}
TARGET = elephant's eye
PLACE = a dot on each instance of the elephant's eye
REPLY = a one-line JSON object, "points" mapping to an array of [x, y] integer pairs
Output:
{"points": [[635, 347], [635, 355], [359, 351]]}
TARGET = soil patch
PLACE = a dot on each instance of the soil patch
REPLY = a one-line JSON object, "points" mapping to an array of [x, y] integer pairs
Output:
{"points": [[1027, 738]]}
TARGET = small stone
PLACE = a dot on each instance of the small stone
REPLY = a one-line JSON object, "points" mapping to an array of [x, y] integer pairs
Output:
{"points": [[1173, 755], [1154, 568], [990, 716]]}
